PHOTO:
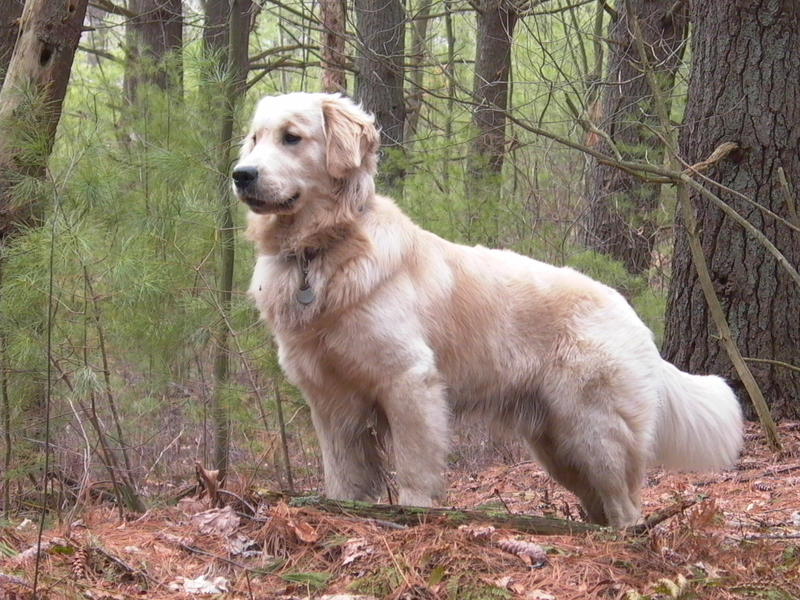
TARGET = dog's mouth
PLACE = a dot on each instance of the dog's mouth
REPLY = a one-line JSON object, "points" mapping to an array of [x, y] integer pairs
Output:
{"points": [[259, 206]]}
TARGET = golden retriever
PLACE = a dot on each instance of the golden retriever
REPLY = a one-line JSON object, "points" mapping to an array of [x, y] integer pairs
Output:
{"points": [[391, 332]]}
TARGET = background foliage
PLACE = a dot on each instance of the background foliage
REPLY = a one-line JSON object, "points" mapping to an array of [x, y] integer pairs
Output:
{"points": [[108, 309]]}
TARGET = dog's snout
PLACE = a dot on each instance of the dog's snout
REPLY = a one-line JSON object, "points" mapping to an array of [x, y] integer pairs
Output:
{"points": [[244, 176]]}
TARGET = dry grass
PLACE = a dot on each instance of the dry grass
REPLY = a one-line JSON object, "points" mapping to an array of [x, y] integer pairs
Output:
{"points": [[741, 540]]}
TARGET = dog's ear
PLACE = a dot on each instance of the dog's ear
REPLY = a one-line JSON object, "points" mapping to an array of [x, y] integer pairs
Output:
{"points": [[350, 136]]}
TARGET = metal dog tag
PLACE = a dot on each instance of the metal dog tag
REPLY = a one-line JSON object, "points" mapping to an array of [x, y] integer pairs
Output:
{"points": [[305, 295]]}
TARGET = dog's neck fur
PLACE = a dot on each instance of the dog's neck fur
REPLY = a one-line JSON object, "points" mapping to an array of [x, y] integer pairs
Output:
{"points": [[320, 224]]}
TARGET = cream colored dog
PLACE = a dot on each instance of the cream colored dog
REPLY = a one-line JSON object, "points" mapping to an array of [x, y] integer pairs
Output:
{"points": [[389, 330]]}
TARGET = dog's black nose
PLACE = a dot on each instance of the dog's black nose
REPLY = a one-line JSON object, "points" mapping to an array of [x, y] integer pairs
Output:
{"points": [[244, 176]]}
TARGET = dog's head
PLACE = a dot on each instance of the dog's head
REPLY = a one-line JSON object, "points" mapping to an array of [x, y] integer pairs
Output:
{"points": [[303, 147]]}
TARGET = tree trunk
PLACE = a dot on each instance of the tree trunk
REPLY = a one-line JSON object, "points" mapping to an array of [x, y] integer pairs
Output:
{"points": [[744, 89], [31, 99], [30, 108], [496, 22], [234, 57], [10, 12], [379, 78], [619, 206], [154, 35], [419, 35], [216, 15], [334, 18]]}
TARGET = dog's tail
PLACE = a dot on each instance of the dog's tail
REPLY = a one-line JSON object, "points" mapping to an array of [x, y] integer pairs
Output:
{"points": [[700, 422]]}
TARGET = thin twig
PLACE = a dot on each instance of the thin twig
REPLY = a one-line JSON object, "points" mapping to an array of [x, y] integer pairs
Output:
{"points": [[790, 200], [777, 363]]}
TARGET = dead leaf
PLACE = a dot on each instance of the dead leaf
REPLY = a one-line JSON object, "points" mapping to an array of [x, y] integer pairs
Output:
{"points": [[241, 545], [192, 506], [346, 597], [222, 522], [355, 549], [201, 585], [539, 595], [98, 594], [305, 532]]}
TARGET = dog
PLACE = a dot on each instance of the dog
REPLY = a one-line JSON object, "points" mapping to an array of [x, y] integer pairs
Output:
{"points": [[392, 332]]}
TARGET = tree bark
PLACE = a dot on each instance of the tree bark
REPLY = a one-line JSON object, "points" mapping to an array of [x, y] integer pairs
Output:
{"points": [[744, 89], [234, 59], [10, 12], [30, 108], [412, 516], [619, 206], [496, 22], [31, 99], [379, 77], [216, 15], [154, 34], [334, 18], [419, 35]]}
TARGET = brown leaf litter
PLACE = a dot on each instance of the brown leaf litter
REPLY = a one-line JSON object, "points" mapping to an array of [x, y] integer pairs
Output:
{"points": [[740, 540]]}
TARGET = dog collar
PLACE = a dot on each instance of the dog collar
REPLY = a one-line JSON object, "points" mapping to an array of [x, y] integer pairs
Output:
{"points": [[305, 294]]}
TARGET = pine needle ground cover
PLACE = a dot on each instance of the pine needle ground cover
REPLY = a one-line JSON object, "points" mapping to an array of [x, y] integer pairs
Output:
{"points": [[738, 540]]}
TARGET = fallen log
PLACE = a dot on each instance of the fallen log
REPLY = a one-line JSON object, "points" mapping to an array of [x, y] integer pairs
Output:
{"points": [[411, 516]]}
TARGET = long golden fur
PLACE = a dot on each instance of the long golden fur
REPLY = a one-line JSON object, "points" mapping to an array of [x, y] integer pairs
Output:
{"points": [[397, 331]]}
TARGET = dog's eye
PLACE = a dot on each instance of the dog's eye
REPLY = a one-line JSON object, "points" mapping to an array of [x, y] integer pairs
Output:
{"points": [[291, 139]]}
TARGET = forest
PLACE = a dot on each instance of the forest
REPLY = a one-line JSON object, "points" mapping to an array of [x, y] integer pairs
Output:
{"points": [[150, 444]]}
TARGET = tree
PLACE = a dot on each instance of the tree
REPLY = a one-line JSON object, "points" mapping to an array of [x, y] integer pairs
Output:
{"points": [[419, 35], [743, 89], [379, 76], [334, 17], [31, 98], [230, 47], [10, 11], [619, 206], [30, 109], [496, 22], [216, 15], [155, 32]]}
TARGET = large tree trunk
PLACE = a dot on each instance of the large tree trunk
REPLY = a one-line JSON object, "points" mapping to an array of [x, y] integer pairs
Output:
{"points": [[379, 77], [10, 11], [216, 15], [618, 219], [744, 89], [154, 34], [31, 99], [496, 22], [334, 18]]}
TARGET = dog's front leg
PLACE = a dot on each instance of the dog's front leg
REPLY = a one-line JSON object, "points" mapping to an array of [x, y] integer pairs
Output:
{"points": [[350, 455], [419, 420]]}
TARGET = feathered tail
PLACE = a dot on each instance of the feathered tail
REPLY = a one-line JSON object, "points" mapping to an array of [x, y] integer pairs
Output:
{"points": [[700, 422]]}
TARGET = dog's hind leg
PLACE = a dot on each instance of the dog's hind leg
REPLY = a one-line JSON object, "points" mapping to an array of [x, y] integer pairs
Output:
{"points": [[597, 458]]}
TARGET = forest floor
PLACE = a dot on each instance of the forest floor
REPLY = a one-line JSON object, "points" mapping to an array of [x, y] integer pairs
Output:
{"points": [[740, 539]]}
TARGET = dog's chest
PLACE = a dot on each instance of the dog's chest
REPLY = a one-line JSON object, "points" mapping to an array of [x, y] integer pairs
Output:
{"points": [[287, 295]]}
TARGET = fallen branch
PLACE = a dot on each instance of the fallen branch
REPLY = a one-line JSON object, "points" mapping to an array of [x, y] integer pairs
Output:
{"points": [[411, 516], [660, 516]]}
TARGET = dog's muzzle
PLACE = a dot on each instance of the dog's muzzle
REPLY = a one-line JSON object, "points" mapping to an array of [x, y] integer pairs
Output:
{"points": [[245, 180], [244, 177]]}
